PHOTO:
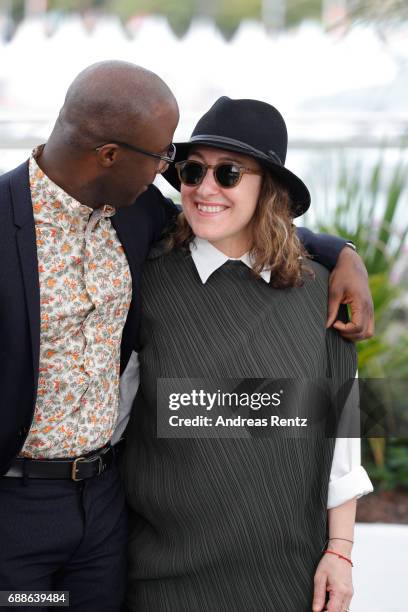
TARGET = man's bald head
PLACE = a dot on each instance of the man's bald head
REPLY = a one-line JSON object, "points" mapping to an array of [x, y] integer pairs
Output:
{"points": [[112, 111], [109, 100]]}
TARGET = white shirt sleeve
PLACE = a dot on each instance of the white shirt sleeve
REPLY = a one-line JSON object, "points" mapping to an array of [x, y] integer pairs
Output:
{"points": [[348, 478], [128, 386]]}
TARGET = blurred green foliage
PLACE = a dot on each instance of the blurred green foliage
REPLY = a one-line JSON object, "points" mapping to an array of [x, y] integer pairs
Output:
{"points": [[388, 11], [392, 473], [227, 14], [179, 14], [16, 8], [74, 5], [366, 211], [299, 10]]}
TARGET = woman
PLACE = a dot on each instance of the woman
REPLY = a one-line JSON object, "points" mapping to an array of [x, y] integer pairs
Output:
{"points": [[238, 523]]}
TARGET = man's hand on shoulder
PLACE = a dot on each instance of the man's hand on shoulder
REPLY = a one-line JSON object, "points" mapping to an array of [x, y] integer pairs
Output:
{"points": [[349, 285]]}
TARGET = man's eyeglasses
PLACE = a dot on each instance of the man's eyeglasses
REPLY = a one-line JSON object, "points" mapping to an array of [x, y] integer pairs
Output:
{"points": [[227, 175], [168, 158]]}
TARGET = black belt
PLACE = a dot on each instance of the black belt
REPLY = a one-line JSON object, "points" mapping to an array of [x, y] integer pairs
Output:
{"points": [[79, 468]]}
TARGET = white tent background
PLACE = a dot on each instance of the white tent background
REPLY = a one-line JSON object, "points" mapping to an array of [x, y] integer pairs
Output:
{"points": [[286, 69], [322, 83]]}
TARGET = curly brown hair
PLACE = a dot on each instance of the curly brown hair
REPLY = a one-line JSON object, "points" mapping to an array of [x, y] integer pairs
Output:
{"points": [[275, 244]]}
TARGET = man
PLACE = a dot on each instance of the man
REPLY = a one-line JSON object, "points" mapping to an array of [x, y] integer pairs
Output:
{"points": [[72, 246]]}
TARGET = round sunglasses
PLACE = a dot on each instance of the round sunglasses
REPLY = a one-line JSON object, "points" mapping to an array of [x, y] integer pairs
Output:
{"points": [[226, 174]]}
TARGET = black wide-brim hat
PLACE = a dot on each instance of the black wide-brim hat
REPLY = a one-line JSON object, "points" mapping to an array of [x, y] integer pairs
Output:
{"points": [[249, 127]]}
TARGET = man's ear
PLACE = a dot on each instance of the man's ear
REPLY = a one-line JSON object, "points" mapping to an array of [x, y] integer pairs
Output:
{"points": [[108, 154]]}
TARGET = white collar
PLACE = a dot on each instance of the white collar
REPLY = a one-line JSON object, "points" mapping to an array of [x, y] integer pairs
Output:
{"points": [[207, 259]]}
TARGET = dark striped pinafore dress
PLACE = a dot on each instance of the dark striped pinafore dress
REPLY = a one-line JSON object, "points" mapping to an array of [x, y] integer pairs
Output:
{"points": [[237, 524]]}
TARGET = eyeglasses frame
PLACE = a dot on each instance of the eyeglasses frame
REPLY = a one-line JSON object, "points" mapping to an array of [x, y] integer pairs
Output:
{"points": [[166, 158], [243, 170]]}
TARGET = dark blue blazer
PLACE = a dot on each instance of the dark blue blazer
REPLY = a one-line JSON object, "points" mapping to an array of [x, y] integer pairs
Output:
{"points": [[137, 227]]}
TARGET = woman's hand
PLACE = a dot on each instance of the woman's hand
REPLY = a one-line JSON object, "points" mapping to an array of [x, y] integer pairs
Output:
{"points": [[333, 575]]}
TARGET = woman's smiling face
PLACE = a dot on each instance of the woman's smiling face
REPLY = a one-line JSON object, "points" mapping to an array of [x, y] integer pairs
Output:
{"points": [[223, 216]]}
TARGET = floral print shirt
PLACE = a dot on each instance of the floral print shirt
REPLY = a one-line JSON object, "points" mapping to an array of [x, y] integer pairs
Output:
{"points": [[85, 293]]}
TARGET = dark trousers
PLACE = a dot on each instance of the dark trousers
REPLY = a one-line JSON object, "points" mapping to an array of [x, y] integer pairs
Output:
{"points": [[65, 535]]}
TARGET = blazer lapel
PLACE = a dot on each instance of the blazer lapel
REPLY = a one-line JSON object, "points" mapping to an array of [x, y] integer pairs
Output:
{"points": [[120, 224], [26, 241]]}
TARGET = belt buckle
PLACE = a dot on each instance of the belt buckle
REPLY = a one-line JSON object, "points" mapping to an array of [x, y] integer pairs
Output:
{"points": [[86, 460], [75, 469]]}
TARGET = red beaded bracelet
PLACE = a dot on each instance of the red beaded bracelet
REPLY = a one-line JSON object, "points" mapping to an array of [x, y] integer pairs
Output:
{"points": [[331, 552]]}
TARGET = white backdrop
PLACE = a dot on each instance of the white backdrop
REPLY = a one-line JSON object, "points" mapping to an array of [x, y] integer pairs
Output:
{"points": [[293, 70]]}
